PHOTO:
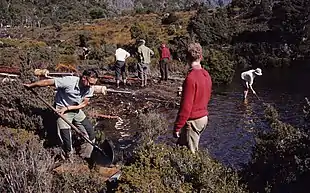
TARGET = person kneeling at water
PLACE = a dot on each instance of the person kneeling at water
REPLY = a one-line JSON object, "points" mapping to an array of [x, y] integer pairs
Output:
{"points": [[192, 117], [248, 80]]}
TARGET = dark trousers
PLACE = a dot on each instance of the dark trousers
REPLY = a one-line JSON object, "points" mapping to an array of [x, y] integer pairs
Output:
{"points": [[164, 69], [120, 70]]}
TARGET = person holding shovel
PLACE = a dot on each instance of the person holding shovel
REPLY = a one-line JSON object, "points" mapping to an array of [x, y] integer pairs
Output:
{"points": [[248, 80], [192, 117], [73, 94]]}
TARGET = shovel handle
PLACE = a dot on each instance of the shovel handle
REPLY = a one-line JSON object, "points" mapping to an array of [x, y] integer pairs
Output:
{"points": [[119, 91]]}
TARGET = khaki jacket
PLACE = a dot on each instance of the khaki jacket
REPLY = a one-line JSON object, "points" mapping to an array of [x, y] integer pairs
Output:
{"points": [[145, 54]]}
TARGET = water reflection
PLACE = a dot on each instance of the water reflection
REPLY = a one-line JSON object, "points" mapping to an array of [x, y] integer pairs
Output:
{"points": [[231, 130], [233, 124]]}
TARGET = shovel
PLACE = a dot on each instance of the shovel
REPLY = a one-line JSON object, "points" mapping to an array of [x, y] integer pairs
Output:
{"points": [[105, 156]]}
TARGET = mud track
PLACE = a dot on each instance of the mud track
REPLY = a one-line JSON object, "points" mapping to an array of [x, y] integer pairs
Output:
{"points": [[156, 97]]}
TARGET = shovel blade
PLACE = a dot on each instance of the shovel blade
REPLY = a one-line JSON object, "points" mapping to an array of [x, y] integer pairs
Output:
{"points": [[105, 158]]}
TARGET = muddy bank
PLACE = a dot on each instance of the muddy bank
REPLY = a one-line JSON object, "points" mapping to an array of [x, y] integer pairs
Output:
{"points": [[124, 109]]}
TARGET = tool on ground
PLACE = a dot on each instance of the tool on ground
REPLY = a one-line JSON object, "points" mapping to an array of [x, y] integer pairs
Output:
{"points": [[107, 155], [47, 74], [7, 77], [98, 89], [120, 91]]}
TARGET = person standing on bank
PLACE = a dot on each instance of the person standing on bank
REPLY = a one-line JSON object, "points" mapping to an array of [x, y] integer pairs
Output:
{"points": [[120, 66], [145, 54], [192, 117], [248, 80], [73, 94], [163, 62]]}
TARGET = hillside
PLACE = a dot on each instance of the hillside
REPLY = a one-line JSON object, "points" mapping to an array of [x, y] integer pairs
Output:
{"points": [[241, 35], [35, 13]]}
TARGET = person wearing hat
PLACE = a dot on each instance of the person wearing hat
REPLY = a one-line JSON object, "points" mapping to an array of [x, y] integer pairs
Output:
{"points": [[145, 54], [248, 80], [163, 61]]}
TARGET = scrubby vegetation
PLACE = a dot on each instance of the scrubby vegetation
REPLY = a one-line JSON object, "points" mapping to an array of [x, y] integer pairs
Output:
{"points": [[280, 158], [244, 34], [163, 168], [241, 35], [26, 166]]}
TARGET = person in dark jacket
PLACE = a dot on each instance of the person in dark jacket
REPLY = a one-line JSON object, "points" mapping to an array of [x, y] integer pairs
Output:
{"points": [[163, 62], [192, 117]]}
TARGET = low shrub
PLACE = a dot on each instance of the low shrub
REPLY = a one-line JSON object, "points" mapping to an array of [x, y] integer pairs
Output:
{"points": [[220, 66], [162, 168], [25, 166], [82, 182], [280, 158]]}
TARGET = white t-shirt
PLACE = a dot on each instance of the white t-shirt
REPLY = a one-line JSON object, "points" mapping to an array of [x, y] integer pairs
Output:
{"points": [[248, 76], [121, 54]]}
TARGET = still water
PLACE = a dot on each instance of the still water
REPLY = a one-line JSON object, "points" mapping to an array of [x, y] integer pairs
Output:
{"points": [[233, 125]]}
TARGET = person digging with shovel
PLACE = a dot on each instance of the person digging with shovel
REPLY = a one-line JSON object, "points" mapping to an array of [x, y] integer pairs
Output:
{"points": [[248, 80], [73, 94]]}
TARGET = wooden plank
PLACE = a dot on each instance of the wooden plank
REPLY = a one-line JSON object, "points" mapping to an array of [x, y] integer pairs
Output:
{"points": [[8, 75], [10, 70]]}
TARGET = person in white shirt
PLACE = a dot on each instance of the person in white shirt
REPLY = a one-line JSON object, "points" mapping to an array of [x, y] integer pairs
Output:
{"points": [[248, 80], [120, 68]]}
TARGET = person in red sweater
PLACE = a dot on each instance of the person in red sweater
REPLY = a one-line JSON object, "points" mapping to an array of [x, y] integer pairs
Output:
{"points": [[192, 117], [163, 62]]}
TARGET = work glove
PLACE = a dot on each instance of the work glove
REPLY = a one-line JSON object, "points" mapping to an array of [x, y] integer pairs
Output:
{"points": [[41, 72], [100, 89], [104, 90]]}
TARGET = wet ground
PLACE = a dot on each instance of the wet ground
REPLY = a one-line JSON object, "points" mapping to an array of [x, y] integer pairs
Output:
{"points": [[157, 97], [233, 124]]}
